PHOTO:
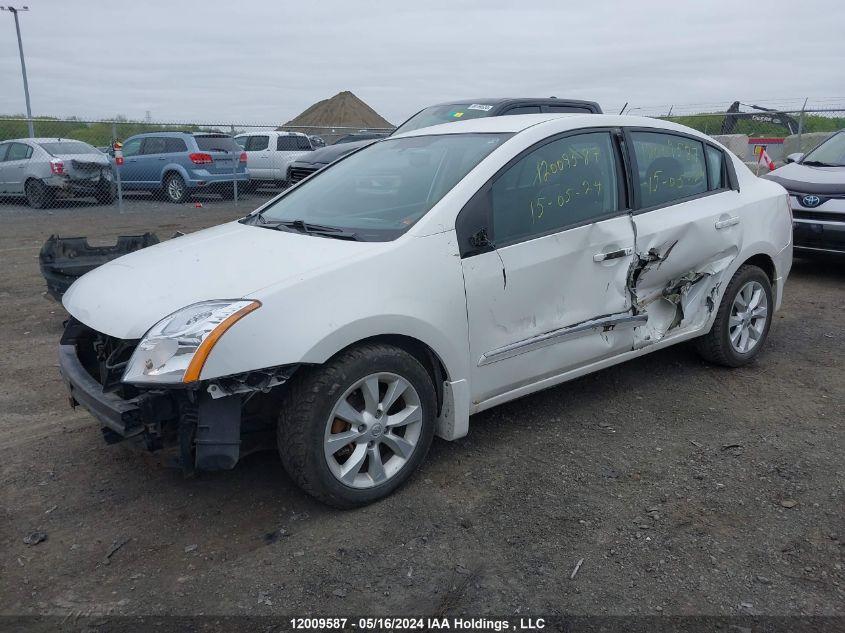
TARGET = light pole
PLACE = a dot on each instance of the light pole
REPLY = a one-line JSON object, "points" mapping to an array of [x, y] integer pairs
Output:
{"points": [[14, 12]]}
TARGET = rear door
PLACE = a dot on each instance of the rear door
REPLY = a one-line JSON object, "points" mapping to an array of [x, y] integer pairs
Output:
{"points": [[551, 295], [688, 227], [259, 156]]}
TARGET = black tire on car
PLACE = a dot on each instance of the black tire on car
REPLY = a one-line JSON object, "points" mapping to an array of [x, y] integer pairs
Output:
{"points": [[174, 188], [742, 321], [314, 424], [38, 195]]}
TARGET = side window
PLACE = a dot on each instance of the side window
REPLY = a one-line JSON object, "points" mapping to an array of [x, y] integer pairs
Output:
{"points": [[569, 181], [241, 140], [670, 167], [153, 145], [132, 147], [256, 143], [174, 145], [303, 142], [18, 151], [287, 144], [3, 149], [523, 110], [715, 169]]}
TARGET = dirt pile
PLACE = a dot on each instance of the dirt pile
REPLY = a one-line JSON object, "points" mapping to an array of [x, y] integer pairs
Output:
{"points": [[344, 110]]}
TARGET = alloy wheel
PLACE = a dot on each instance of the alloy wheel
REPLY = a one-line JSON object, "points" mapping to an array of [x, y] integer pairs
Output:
{"points": [[747, 321]]}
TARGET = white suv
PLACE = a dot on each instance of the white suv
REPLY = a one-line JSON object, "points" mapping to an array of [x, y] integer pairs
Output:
{"points": [[270, 153]]}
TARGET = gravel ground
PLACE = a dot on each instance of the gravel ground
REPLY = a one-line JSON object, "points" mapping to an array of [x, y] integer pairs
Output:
{"points": [[685, 488]]}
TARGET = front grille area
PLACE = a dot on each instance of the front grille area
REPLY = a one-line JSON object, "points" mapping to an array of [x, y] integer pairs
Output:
{"points": [[298, 173], [104, 357], [824, 216]]}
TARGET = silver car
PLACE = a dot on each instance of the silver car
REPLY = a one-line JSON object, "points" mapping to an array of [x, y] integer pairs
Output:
{"points": [[43, 169]]}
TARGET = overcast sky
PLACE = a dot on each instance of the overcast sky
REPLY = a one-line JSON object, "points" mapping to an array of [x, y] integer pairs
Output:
{"points": [[265, 61]]}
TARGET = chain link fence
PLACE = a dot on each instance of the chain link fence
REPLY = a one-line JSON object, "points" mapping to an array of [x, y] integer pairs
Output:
{"points": [[72, 161]]}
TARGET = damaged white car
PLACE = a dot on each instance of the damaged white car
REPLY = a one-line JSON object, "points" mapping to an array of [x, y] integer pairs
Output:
{"points": [[420, 280]]}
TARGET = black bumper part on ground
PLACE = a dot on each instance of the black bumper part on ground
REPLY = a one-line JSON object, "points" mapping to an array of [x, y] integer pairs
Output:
{"points": [[64, 259], [122, 417]]}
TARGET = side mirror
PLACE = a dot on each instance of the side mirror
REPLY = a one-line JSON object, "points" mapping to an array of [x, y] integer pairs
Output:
{"points": [[794, 158]]}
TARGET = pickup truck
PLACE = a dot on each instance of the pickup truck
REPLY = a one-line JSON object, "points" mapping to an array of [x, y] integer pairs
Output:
{"points": [[270, 153]]}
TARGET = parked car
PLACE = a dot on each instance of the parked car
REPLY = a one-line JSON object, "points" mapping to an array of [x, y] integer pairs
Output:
{"points": [[178, 164], [43, 169], [269, 154], [816, 185], [430, 276], [360, 136], [441, 113]]}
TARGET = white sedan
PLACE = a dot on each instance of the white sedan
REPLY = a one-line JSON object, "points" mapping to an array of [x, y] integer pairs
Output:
{"points": [[425, 278]]}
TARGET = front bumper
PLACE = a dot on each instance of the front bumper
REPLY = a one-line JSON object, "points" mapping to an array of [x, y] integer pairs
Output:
{"points": [[820, 229], [122, 417]]}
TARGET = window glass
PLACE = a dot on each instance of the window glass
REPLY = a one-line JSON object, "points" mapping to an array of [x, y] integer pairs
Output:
{"points": [[217, 143], [69, 147], [524, 110], [241, 140], [3, 149], [384, 189], [565, 182], [715, 168], [132, 147], [670, 167], [257, 143], [19, 151], [175, 145], [564, 108], [287, 144], [302, 143], [153, 145], [831, 153], [447, 113]]}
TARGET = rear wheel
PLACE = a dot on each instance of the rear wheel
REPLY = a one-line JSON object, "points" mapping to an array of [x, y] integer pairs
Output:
{"points": [[105, 193], [743, 320], [174, 188], [38, 195], [353, 430]]}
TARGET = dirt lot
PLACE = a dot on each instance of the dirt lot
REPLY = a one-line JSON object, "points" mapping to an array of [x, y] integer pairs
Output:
{"points": [[685, 488]]}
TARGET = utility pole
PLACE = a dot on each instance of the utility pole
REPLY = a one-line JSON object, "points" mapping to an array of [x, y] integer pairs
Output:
{"points": [[14, 12]]}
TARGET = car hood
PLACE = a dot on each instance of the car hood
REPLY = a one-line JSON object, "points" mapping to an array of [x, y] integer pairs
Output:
{"points": [[326, 155], [126, 297], [807, 179]]}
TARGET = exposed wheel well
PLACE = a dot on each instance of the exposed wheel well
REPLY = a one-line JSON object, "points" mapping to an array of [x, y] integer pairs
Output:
{"points": [[767, 265], [420, 351]]}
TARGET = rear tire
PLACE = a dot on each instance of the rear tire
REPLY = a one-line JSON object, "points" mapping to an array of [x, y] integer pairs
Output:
{"points": [[38, 195], [175, 190], [742, 321], [376, 396], [105, 194]]}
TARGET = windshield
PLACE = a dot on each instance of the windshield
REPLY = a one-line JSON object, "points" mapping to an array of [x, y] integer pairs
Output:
{"points": [[379, 192], [831, 152], [435, 115], [70, 147]]}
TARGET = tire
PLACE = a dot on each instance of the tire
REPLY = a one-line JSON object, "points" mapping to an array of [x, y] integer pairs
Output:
{"points": [[175, 190], [105, 195], [318, 404], [38, 195], [738, 335]]}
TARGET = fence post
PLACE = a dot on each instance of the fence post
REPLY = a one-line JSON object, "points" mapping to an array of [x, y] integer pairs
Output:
{"points": [[235, 160], [117, 170], [801, 122]]}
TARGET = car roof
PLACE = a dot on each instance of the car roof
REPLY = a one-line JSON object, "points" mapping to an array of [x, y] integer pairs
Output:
{"points": [[179, 134], [561, 121], [44, 139]]}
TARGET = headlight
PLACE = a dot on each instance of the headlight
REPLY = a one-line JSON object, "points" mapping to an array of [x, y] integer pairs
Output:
{"points": [[174, 350]]}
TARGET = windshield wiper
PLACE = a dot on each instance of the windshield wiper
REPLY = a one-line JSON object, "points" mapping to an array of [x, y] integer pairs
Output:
{"points": [[310, 229], [818, 163]]}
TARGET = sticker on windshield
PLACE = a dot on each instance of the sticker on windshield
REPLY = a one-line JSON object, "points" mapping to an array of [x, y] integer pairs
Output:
{"points": [[479, 106], [456, 114]]}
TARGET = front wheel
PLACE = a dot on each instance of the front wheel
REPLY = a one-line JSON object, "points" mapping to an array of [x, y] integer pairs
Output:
{"points": [[353, 430], [174, 189], [743, 320]]}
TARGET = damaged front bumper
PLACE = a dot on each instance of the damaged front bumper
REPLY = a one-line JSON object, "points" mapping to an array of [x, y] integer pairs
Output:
{"points": [[196, 427]]}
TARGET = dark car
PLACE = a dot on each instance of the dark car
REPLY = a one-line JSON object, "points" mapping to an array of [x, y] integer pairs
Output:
{"points": [[443, 113], [816, 186]]}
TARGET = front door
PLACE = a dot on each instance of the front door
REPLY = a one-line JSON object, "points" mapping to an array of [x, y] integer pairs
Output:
{"points": [[130, 171], [551, 295], [15, 167]]}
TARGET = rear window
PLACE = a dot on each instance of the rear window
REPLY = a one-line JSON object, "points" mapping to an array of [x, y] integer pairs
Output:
{"points": [[217, 143], [292, 144], [69, 147]]}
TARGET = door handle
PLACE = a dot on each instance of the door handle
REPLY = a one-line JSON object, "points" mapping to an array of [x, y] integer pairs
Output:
{"points": [[600, 257], [162, 158], [722, 224]]}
